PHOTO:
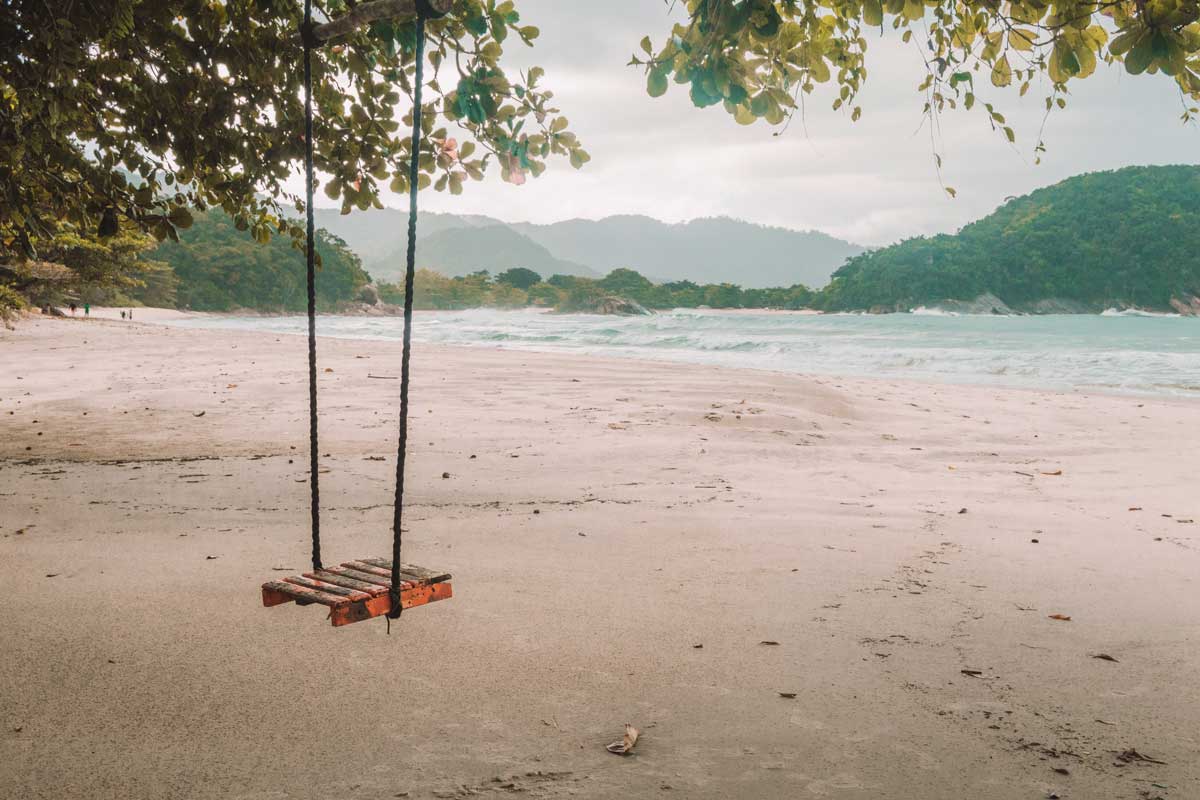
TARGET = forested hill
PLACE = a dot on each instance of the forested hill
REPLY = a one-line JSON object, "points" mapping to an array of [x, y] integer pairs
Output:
{"points": [[1125, 238], [221, 268]]}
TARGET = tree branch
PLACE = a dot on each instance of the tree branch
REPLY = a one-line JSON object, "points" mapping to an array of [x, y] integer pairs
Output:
{"points": [[369, 12]]}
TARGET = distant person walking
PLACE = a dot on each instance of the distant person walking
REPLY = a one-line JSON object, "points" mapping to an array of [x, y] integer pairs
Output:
{"points": [[131, 313], [73, 309], [87, 309], [122, 315]]}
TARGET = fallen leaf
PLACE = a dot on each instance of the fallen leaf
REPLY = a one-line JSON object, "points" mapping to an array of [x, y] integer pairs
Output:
{"points": [[1135, 508], [1106, 657], [697, 647], [1055, 472], [962, 511], [231, 386], [1105, 722], [627, 743], [1060, 617], [974, 673], [769, 643], [1062, 770], [198, 414], [1132, 755], [787, 695], [329, 369], [53, 574]]}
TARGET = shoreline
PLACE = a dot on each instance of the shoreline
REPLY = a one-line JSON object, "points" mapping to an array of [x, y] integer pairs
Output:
{"points": [[1185, 393]]}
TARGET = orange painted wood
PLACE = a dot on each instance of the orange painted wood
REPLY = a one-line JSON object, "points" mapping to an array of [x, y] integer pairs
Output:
{"points": [[358, 590], [352, 595], [378, 606], [279, 590]]}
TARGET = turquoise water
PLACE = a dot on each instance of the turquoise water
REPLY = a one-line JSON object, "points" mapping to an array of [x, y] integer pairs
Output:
{"points": [[1157, 354]]}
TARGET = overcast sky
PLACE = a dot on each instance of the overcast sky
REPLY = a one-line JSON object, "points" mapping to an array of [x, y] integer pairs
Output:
{"points": [[871, 182]]}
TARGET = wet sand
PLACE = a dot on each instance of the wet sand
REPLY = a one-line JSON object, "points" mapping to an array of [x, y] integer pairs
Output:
{"points": [[624, 541]]}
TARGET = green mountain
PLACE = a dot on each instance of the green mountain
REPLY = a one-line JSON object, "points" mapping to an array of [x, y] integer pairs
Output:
{"points": [[377, 235], [1127, 238], [709, 250], [705, 250], [495, 248]]}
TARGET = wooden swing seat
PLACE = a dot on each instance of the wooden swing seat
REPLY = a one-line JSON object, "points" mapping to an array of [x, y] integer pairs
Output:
{"points": [[358, 590]]}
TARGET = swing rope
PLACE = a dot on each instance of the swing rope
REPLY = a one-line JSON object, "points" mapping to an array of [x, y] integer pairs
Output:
{"points": [[424, 11], [310, 260]]}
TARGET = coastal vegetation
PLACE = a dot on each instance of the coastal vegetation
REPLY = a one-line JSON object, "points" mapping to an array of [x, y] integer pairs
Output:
{"points": [[1125, 238], [571, 293], [222, 268]]}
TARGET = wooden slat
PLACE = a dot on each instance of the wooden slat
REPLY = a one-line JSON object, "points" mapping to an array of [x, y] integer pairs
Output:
{"points": [[418, 573], [370, 569], [366, 577], [373, 589], [294, 592], [378, 606], [328, 588]]}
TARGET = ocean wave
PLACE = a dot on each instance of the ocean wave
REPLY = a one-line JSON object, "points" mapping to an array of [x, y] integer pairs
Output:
{"points": [[1124, 351], [1135, 312]]}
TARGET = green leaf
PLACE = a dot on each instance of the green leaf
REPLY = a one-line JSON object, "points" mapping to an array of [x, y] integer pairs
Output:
{"points": [[1001, 72], [656, 83], [1140, 57], [180, 217]]}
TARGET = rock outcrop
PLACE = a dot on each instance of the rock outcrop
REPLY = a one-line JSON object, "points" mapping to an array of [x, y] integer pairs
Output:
{"points": [[616, 306], [1188, 306]]}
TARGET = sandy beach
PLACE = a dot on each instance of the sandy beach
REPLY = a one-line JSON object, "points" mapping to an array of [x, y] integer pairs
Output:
{"points": [[673, 546]]}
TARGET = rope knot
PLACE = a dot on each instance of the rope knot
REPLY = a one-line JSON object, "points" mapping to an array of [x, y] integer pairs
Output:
{"points": [[429, 9], [308, 35], [397, 608]]}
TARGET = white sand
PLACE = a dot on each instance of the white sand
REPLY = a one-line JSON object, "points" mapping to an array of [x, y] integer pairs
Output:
{"points": [[617, 515]]}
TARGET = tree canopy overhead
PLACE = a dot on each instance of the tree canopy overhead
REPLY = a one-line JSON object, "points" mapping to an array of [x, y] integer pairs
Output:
{"points": [[755, 57], [140, 110]]}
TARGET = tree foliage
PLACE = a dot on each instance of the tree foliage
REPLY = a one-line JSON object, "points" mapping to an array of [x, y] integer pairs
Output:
{"points": [[756, 57], [1123, 238], [221, 269], [519, 277], [141, 109]]}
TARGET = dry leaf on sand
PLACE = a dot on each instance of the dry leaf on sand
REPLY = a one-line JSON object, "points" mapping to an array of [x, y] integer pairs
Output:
{"points": [[1061, 617], [1055, 472], [626, 745]]}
